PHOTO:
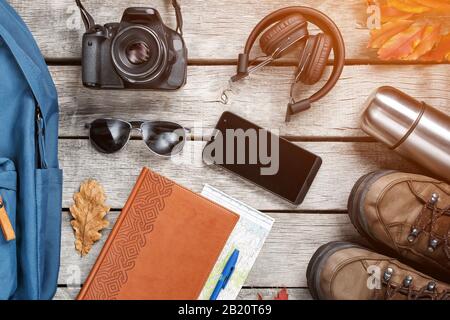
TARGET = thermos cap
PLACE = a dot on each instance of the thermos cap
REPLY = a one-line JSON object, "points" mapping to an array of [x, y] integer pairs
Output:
{"points": [[390, 115]]}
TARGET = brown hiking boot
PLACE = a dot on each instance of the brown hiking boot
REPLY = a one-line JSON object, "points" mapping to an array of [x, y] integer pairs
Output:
{"points": [[407, 216], [345, 271]]}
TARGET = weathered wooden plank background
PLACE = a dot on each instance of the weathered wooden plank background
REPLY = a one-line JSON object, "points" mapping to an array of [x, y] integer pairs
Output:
{"points": [[215, 32], [262, 99], [343, 163]]}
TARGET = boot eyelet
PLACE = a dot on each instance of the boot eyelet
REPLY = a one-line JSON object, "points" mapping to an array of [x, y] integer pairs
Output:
{"points": [[433, 245], [388, 274], [413, 235], [431, 286], [434, 198], [407, 281]]}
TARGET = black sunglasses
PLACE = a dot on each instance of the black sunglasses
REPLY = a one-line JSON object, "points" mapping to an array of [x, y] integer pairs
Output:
{"points": [[161, 137]]}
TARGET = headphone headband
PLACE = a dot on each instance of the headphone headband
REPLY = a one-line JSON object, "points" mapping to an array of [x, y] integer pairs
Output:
{"points": [[320, 20]]}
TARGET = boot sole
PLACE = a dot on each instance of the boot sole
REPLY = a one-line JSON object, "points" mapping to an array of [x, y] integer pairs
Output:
{"points": [[316, 265], [355, 203]]}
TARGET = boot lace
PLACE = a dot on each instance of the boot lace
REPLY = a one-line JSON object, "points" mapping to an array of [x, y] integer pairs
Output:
{"points": [[428, 292], [430, 219]]}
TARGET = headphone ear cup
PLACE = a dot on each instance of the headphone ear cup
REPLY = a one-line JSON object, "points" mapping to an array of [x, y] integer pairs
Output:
{"points": [[317, 55], [284, 33], [306, 50]]}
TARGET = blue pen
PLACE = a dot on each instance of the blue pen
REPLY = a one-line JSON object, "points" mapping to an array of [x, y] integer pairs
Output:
{"points": [[226, 275]]}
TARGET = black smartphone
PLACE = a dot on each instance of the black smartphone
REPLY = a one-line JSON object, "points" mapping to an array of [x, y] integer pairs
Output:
{"points": [[261, 157]]}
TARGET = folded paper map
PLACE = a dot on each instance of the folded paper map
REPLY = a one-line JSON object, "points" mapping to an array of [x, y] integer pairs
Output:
{"points": [[248, 237]]}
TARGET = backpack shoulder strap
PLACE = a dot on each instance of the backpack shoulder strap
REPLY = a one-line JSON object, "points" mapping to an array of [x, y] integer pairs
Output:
{"points": [[28, 57]]}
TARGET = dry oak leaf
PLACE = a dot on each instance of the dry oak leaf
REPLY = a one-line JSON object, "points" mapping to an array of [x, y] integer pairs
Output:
{"points": [[412, 30], [88, 212]]}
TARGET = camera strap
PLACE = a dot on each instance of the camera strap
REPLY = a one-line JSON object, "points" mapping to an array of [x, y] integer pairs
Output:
{"points": [[177, 7], [88, 20]]}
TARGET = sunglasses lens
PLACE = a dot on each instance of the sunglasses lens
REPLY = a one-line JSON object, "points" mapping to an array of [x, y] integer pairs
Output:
{"points": [[164, 138], [109, 135]]}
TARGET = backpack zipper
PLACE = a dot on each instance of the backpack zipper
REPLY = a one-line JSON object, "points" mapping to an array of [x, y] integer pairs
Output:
{"points": [[5, 223], [40, 124]]}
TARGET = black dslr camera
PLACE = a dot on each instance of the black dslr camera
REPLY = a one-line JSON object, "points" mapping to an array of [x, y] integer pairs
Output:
{"points": [[140, 52]]}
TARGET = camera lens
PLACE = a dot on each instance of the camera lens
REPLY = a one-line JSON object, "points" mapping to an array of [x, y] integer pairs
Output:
{"points": [[138, 53]]}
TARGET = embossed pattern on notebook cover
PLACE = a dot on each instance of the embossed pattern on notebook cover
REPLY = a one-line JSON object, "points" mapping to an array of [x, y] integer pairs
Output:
{"points": [[143, 259]]}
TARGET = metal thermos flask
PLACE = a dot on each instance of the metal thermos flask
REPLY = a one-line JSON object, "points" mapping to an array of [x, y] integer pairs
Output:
{"points": [[412, 128]]}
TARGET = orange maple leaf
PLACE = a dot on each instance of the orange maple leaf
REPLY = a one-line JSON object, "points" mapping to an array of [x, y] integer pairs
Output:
{"points": [[441, 52], [282, 295], [391, 14], [408, 6], [435, 4], [387, 31], [431, 36], [413, 30], [402, 44]]}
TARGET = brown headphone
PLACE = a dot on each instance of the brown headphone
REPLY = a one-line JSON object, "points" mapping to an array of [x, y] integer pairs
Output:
{"points": [[287, 28]]}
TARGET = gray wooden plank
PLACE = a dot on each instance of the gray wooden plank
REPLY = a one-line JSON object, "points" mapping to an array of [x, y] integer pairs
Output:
{"points": [[270, 294], [282, 262], [213, 29], [66, 293], [343, 164], [245, 294], [262, 99]]}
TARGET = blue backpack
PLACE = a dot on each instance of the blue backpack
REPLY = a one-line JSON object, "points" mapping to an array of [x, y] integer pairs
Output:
{"points": [[30, 179]]}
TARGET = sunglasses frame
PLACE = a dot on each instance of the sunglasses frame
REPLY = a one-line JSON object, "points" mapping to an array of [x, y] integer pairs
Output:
{"points": [[137, 125]]}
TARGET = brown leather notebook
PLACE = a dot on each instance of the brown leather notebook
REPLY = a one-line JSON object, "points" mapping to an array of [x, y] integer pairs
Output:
{"points": [[163, 246]]}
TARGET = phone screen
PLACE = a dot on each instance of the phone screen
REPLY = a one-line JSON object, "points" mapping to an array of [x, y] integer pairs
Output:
{"points": [[261, 157]]}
